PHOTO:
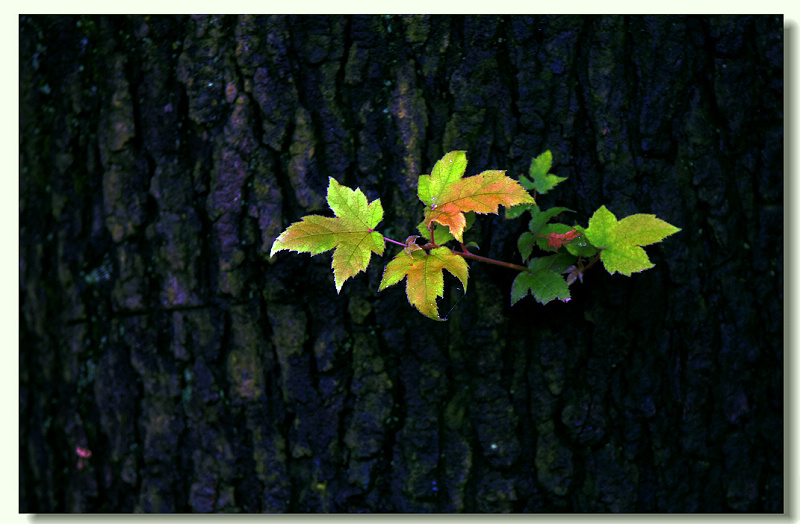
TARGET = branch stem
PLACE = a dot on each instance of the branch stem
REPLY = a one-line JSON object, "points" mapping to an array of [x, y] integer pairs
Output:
{"points": [[467, 254], [595, 259], [394, 241]]}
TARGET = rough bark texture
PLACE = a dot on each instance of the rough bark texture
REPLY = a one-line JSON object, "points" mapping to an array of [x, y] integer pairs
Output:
{"points": [[161, 156]]}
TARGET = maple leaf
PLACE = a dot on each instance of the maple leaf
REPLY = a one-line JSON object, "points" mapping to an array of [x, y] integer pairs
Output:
{"points": [[541, 181], [425, 276], [351, 233], [621, 241], [543, 280], [448, 196]]}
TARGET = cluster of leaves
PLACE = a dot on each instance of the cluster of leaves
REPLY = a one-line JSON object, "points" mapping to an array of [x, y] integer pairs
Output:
{"points": [[451, 202]]}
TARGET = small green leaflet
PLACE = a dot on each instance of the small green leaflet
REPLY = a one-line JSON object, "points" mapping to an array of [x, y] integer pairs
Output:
{"points": [[351, 233], [543, 280], [540, 180], [620, 241], [425, 272]]}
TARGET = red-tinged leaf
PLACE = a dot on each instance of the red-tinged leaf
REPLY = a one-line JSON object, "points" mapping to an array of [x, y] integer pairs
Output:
{"points": [[556, 240], [448, 196], [350, 233], [425, 276], [548, 236]]}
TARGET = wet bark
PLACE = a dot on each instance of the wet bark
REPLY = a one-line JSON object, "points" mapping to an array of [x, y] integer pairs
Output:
{"points": [[161, 156]]}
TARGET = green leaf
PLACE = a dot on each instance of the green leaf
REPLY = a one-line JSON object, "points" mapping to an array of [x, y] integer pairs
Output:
{"points": [[447, 196], [581, 245], [621, 241], [557, 263], [525, 244], [519, 209], [540, 180], [543, 280], [425, 276], [540, 218], [351, 233], [440, 233]]}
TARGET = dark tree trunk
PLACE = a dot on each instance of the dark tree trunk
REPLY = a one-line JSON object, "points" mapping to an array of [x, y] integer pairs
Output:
{"points": [[160, 157]]}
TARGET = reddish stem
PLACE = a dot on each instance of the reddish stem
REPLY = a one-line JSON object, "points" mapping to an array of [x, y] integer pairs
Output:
{"points": [[595, 259], [467, 254], [394, 241]]}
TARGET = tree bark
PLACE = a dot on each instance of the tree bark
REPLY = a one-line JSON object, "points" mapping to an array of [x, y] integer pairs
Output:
{"points": [[160, 156]]}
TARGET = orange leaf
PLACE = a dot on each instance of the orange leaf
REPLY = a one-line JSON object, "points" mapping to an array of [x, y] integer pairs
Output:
{"points": [[448, 196]]}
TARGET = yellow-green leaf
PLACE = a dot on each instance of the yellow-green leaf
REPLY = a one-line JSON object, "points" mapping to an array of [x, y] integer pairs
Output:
{"points": [[621, 241], [447, 196], [351, 233], [424, 273]]}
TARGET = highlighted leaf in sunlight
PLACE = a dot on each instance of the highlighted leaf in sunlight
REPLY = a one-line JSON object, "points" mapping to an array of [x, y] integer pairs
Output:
{"points": [[350, 233]]}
